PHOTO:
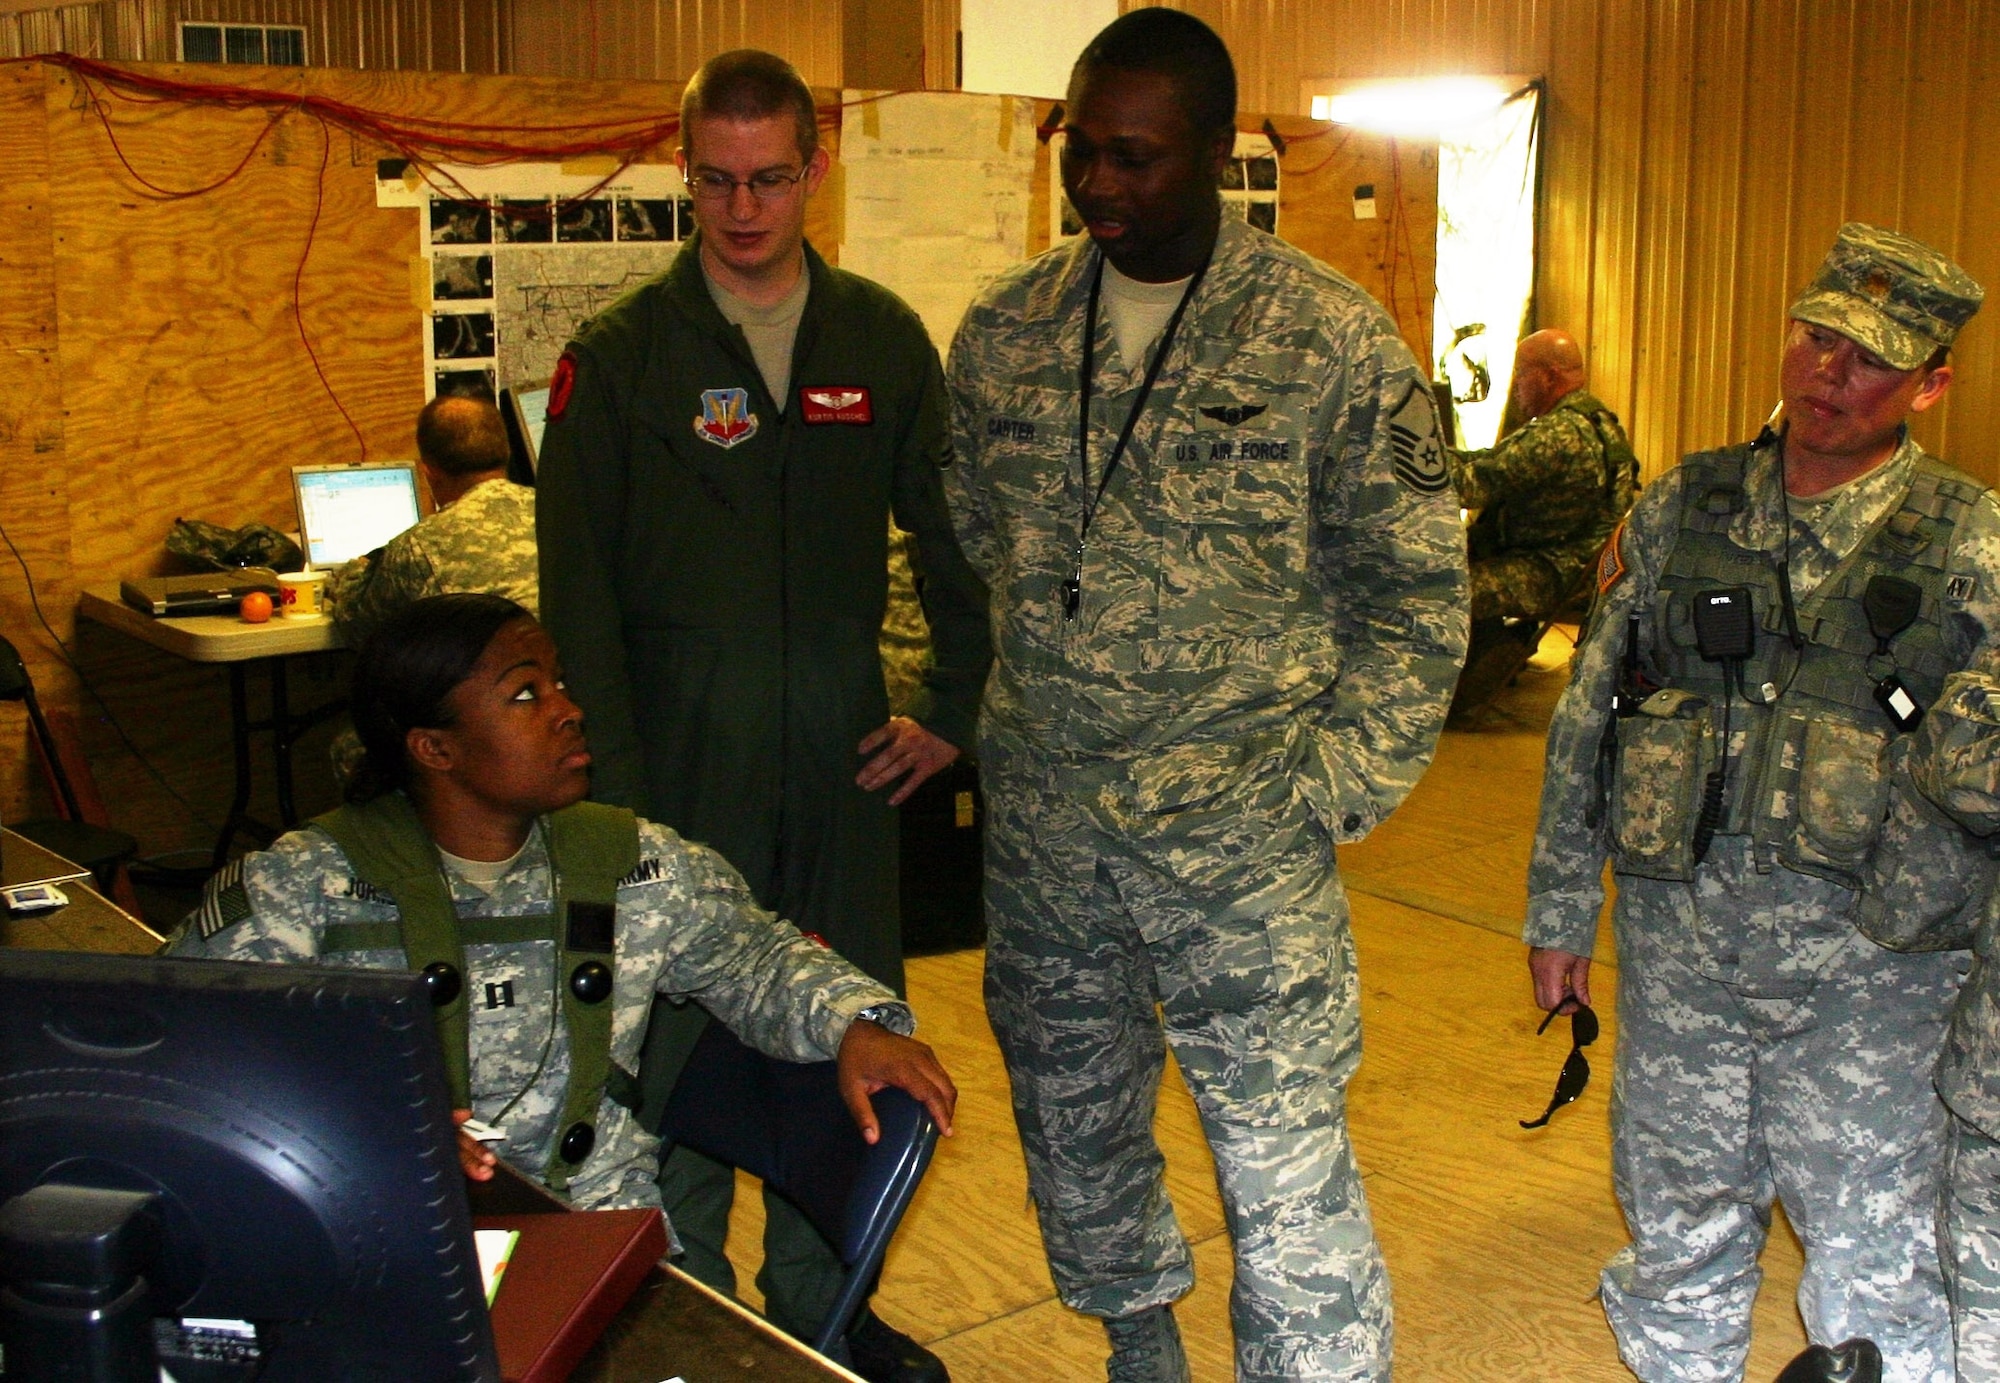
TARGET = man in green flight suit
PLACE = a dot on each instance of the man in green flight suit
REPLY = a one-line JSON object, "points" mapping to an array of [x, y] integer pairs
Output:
{"points": [[726, 445]]}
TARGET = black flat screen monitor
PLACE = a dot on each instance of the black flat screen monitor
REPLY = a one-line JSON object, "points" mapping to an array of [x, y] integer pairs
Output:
{"points": [[526, 414], [293, 1127]]}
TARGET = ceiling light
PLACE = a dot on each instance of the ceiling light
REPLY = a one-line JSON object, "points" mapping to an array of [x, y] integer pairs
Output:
{"points": [[1414, 106]]}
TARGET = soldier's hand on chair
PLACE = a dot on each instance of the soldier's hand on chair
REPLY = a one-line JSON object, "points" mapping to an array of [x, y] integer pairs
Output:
{"points": [[872, 1057]]}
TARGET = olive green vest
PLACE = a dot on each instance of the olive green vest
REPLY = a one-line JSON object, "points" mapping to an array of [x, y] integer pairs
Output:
{"points": [[1805, 781], [591, 847]]}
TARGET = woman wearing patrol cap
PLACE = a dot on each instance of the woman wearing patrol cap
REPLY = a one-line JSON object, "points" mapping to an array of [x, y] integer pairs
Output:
{"points": [[1768, 1048], [543, 924]]}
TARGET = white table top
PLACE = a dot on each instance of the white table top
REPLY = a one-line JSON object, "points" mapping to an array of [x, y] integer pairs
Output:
{"points": [[208, 638]]}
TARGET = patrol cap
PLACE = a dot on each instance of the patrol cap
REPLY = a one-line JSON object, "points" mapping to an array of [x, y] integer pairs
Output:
{"points": [[1893, 295]]}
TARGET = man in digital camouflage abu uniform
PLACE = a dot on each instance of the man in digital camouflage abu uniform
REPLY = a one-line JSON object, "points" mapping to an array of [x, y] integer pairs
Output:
{"points": [[687, 926], [1548, 495], [1268, 615], [1766, 1046]]}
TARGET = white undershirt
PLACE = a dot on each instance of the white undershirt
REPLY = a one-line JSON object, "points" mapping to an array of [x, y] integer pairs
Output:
{"points": [[481, 874], [1138, 312]]}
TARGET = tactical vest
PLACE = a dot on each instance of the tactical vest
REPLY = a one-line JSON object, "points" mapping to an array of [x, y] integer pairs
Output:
{"points": [[1806, 780], [591, 847]]}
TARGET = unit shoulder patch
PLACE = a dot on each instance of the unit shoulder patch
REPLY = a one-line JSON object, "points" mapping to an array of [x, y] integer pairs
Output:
{"points": [[561, 383], [1413, 434], [1611, 561]]}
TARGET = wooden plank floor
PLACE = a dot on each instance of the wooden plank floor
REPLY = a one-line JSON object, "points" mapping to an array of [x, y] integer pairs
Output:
{"points": [[1494, 1235]]}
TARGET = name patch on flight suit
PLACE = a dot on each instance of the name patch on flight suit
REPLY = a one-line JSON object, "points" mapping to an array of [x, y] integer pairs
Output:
{"points": [[843, 405], [725, 418]]}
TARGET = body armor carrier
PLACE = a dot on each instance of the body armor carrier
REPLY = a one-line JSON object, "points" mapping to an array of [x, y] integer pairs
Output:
{"points": [[591, 847], [1807, 778]]}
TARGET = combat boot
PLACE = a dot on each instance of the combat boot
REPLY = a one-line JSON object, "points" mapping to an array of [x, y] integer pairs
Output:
{"points": [[1851, 1361], [1146, 1348]]}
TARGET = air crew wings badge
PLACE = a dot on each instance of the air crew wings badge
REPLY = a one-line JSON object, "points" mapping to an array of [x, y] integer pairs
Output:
{"points": [[1413, 434]]}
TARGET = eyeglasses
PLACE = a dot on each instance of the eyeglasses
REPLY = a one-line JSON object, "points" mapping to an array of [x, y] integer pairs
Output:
{"points": [[767, 186], [1575, 1073]]}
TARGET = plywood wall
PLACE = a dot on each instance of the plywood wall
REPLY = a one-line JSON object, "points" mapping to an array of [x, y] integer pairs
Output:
{"points": [[154, 363], [154, 360]]}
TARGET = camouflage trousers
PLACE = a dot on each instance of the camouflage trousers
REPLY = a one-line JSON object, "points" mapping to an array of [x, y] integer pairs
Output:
{"points": [[1097, 960], [1514, 583], [1969, 1239], [1721, 1101]]}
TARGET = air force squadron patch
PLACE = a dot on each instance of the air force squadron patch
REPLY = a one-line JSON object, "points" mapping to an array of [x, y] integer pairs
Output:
{"points": [[1413, 433], [725, 418]]}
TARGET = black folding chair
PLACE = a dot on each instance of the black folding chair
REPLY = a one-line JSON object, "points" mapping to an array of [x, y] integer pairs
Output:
{"points": [[97, 848], [784, 1122]]}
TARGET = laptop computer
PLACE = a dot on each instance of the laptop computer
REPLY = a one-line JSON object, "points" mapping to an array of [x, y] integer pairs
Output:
{"points": [[348, 511]]}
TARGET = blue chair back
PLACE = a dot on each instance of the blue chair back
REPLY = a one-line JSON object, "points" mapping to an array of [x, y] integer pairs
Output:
{"points": [[785, 1123]]}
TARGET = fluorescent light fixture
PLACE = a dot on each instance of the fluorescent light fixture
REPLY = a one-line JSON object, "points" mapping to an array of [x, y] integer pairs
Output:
{"points": [[1416, 105]]}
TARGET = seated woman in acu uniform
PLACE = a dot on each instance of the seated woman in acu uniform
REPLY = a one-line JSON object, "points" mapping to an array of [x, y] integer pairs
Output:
{"points": [[544, 924]]}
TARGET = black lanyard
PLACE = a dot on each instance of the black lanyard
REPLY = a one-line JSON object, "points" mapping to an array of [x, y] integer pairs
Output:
{"points": [[1072, 588]]}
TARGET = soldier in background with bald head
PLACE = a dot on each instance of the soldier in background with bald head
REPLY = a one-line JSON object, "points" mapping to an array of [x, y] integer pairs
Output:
{"points": [[481, 539], [1548, 495]]}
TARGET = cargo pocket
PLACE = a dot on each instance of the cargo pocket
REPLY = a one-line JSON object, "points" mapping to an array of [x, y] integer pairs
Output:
{"points": [[1664, 755], [1843, 794]]}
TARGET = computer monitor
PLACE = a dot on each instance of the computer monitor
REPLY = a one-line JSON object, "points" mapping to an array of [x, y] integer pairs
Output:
{"points": [[526, 413], [292, 1127], [348, 511]]}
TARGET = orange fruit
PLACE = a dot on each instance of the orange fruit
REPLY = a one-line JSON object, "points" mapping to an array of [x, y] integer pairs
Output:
{"points": [[255, 608]]}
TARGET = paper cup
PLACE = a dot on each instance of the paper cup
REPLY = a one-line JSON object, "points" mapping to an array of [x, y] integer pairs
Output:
{"points": [[302, 594]]}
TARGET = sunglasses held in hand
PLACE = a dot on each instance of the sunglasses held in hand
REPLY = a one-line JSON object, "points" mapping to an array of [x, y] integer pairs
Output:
{"points": [[1576, 1069]]}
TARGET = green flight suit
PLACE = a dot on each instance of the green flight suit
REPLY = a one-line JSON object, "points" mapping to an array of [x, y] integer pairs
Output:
{"points": [[714, 572]]}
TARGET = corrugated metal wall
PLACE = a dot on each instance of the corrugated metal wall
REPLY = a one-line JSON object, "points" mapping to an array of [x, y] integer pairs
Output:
{"points": [[435, 35], [665, 40], [1700, 156]]}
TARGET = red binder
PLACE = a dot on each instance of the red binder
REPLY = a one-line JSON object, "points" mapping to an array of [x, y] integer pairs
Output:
{"points": [[569, 1275]]}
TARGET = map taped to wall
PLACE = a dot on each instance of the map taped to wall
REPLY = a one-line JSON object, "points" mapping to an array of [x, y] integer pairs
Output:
{"points": [[516, 256]]}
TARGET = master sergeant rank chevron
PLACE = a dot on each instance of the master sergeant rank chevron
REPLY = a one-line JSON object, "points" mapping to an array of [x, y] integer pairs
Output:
{"points": [[1413, 432]]}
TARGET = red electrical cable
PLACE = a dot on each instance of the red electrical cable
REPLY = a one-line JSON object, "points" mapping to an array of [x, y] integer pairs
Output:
{"points": [[298, 282]]}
